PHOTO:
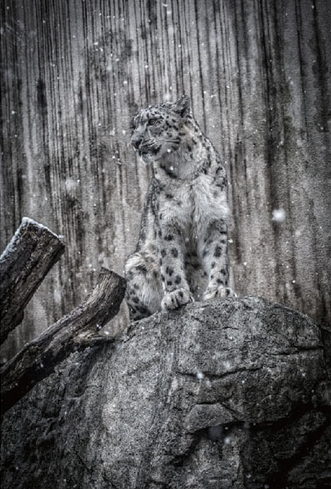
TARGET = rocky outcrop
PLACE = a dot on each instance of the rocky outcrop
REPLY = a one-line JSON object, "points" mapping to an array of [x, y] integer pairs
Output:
{"points": [[223, 394]]}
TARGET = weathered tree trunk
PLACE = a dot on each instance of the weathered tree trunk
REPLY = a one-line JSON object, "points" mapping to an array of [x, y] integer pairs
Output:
{"points": [[31, 253], [218, 395], [257, 73], [75, 331]]}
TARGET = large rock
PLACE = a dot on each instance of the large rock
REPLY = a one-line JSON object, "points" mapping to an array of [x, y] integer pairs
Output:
{"points": [[216, 395]]}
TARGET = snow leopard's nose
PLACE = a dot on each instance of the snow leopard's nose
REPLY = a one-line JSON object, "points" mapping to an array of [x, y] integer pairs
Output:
{"points": [[136, 140]]}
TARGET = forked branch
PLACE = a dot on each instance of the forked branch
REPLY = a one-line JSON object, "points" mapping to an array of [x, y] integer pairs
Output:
{"points": [[74, 331]]}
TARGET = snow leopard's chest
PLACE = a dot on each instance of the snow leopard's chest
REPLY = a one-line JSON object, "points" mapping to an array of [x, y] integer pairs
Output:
{"points": [[192, 205]]}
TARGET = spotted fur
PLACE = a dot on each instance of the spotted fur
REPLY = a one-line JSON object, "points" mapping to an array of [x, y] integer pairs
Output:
{"points": [[181, 254]]}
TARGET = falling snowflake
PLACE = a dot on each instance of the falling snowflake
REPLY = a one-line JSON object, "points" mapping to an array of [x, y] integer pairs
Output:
{"points": [[278, 215]]}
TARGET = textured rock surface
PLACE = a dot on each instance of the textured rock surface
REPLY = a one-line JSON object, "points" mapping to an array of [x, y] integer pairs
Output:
{"points": [[217, 395]]}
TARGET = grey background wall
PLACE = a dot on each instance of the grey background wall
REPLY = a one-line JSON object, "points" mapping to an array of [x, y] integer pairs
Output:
{"points": [[73, 73]]}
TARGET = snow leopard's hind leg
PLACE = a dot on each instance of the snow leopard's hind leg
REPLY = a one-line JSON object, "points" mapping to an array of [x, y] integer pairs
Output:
{"points": [[144, 289]]}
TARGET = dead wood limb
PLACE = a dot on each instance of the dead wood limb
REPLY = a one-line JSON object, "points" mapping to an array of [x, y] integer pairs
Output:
{"points": [[74, 331], [31, 253]]}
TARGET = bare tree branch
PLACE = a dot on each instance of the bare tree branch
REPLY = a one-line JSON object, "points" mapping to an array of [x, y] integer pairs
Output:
{"points": [[74, 331], [31, 253]]}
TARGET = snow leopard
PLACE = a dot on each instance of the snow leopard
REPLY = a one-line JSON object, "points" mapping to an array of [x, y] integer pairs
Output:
{"points": [[181, 255]]}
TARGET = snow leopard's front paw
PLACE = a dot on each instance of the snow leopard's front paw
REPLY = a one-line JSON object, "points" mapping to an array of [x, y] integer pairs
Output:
{"points": [[218, 292], [176, 298]]}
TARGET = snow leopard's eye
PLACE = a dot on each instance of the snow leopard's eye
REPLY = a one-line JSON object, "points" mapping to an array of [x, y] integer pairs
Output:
{"points": [[155, 122]]}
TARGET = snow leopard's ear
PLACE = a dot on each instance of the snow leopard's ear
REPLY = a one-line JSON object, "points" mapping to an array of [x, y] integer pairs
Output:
{"points": [[182, 106]]}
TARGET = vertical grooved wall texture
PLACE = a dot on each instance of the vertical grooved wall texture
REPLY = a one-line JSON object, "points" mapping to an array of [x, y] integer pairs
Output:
{"points": [[73, 72]]}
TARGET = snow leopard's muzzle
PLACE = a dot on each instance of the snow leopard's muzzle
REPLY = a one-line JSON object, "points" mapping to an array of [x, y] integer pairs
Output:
{"points": [[146, 149]]}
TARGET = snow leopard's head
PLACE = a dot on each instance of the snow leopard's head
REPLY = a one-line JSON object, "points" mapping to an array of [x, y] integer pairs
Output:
{"points": [[158, 130]]}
